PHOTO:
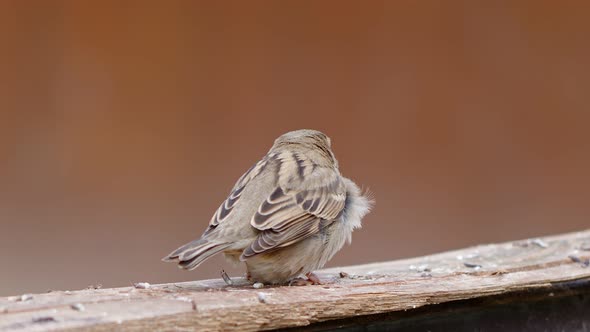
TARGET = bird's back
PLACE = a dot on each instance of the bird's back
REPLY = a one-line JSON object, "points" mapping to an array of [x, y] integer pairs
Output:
{"points": [[236, 228]]}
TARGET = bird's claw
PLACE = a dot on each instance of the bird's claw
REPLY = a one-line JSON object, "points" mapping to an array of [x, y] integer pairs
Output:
{"points": [[311, 279]]}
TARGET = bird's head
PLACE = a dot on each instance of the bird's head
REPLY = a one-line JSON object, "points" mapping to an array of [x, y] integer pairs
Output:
{"points": [[308, 141]]}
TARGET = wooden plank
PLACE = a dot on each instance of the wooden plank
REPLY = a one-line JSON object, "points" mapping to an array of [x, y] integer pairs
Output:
{"points": [[362, 290]]}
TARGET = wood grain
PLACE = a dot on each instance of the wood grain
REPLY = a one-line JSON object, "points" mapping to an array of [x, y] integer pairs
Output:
{"points": [[361, 290]]}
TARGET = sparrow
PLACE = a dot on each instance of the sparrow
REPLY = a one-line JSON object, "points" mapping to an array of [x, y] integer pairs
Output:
{"points": [[286, 216]]}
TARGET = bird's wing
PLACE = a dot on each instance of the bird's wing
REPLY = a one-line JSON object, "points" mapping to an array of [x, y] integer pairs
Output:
{"points": [[306, 198], [225, 209]]}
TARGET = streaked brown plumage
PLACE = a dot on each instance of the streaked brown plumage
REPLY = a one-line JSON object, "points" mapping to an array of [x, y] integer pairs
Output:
{"points": [[286, 216]]}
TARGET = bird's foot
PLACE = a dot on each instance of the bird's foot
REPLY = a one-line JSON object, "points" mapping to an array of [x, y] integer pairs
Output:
{"points": [[300, 282], [311, 279]]}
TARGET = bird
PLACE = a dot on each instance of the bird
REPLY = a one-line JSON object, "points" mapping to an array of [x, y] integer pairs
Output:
{"points": [[286, 216]]}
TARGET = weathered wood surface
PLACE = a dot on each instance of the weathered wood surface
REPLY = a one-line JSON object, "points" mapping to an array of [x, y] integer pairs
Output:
{"points": [[365, 289]]}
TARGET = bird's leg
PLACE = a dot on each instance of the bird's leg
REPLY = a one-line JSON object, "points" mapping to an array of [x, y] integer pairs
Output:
{"points": [[313, 278], [226, 278]]}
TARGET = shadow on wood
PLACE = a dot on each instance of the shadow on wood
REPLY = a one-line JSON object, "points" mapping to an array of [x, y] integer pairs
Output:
{"points": [[564, 307]]}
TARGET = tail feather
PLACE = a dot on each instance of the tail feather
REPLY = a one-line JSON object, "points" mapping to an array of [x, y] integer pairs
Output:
{"points": [[192, 254]]}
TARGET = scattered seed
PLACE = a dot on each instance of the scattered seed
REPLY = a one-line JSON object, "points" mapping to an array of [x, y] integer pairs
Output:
{"points": [[423, 268], [420, 268], [97, 286], [142, 285], [576, 259], [226, 278], [540, 243], [472, 265], [585, 246], [258, 285], [355, 276], [44, 319], [537, 242], [261, 297], [426, 275], [78, 307], [25, 297], [499, 272]]}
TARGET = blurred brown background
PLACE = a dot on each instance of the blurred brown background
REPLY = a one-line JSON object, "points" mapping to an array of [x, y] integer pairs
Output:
{"points": [[124, 124]]}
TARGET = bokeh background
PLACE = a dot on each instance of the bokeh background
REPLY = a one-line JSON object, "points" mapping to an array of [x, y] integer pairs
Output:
{"points": [[123, 124]]}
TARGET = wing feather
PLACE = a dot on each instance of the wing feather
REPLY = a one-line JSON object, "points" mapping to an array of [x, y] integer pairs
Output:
{"points": [[226, 207], [306, 196]]}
